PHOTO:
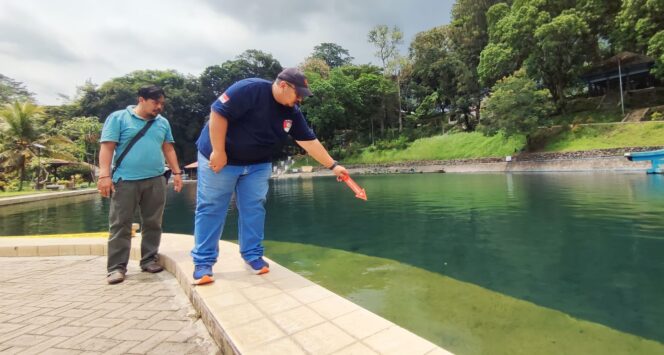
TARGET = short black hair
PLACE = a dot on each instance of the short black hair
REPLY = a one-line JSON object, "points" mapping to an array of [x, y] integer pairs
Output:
{"points": [[153, 92]]}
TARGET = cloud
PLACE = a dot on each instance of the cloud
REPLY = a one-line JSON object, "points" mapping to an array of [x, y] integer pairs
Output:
{"points": [[25, 40], [55, 46]]}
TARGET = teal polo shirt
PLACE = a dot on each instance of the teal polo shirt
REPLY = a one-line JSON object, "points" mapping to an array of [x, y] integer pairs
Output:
{"points": [[146, 158]]}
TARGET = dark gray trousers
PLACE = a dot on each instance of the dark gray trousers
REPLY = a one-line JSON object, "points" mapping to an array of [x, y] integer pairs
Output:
{"points": [[149, 196]]}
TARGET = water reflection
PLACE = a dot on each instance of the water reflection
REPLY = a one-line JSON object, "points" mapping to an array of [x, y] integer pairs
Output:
{"points": [[588, 245]]}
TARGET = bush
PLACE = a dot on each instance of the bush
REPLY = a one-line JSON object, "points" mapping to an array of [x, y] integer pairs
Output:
{"points": [[67, 171], [516, 106], [399, 143]]}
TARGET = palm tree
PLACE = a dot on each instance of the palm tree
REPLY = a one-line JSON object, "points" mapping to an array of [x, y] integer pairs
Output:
{"points": [[21, 138]]}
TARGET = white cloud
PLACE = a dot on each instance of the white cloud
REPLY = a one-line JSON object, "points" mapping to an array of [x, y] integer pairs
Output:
{"points": [[55, 46]]}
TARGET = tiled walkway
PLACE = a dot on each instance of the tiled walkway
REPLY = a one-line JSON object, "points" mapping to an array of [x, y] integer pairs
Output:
{"points": [[62, 305], [277, 313]]}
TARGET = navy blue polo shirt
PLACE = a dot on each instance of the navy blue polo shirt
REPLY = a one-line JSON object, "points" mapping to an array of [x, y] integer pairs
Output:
{"points": [[257, 124]]}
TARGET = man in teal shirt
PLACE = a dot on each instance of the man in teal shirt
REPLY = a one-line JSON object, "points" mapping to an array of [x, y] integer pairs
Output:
{"points": [[138, 180]]}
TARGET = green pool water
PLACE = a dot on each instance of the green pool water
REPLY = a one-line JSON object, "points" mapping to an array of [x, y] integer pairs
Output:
{"points": [[477, 263]]}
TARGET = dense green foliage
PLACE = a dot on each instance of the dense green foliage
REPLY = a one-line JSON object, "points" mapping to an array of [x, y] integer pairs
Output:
{"points": [[25, 137]]}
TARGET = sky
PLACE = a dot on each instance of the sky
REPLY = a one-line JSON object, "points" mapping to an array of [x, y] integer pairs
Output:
{"points": [[55, 46]]}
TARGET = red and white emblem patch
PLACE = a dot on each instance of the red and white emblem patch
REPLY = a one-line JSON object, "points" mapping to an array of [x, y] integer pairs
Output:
{"points": [[224, 98], [287, 125]]}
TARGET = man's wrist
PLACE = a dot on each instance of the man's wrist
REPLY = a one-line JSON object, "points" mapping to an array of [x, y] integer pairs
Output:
{"points": [[104, 177], [334, 165]]}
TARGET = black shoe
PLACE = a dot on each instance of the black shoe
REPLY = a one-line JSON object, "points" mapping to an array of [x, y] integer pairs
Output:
{"points": [[152, 267]]}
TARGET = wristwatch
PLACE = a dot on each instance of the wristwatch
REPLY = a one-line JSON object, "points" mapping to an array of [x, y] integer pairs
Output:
{"points": [[334, 165]]}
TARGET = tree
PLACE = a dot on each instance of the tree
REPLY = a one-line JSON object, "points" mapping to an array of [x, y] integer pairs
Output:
{"points": [[469, 35], [656, 50], [23, 137], [316, 65], [85, 133], [497, 61], [511, 38], [438, 68], [185, 108], [12, 90], [333, 54], [250, 64], [637, 22], [560, 53], [386, 42], [515, 106], [348, 100]]}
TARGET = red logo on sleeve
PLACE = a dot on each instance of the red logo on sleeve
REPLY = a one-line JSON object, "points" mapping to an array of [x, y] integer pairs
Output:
{"points": [[224, 98]]}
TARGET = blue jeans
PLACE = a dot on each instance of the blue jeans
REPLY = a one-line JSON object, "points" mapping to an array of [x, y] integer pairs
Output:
{"points": [[250, 184]]}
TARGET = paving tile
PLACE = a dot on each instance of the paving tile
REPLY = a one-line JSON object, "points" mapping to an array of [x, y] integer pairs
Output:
{"points": [[264, 290], [8, 327], [281, 346], [60, 322], [135, 334], [332, 307], [173, 348], [226, 300], [292, 282], [44, 346], [396, 340], [439, 351], [67, 331], [294, 320], [104, 322], [18, 332], [26, 340], [323, 339], [14, 350], [255, 333], [173, 325], [361, 323], [122, 348], [310, 294], [277, 303], [237, 315], [75, 342], [56, 351], [151, 342], [355, 349]]}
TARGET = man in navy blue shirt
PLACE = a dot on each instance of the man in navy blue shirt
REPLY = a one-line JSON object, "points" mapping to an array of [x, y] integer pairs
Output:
{"points": [[248, 123]]}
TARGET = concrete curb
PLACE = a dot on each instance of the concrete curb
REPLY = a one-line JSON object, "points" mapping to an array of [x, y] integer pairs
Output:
{"points": [[44, 196]]}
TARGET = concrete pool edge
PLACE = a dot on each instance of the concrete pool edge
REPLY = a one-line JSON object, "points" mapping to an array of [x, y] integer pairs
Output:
{"points": [[7, 201], [280, 312]]}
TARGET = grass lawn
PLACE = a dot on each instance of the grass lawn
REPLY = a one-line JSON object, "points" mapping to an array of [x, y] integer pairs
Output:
{"points": [[476, 145], [444, 147], [645, 134]]}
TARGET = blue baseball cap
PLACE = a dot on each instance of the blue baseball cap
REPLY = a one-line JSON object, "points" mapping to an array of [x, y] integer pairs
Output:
{"points": [[295, 77]]}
